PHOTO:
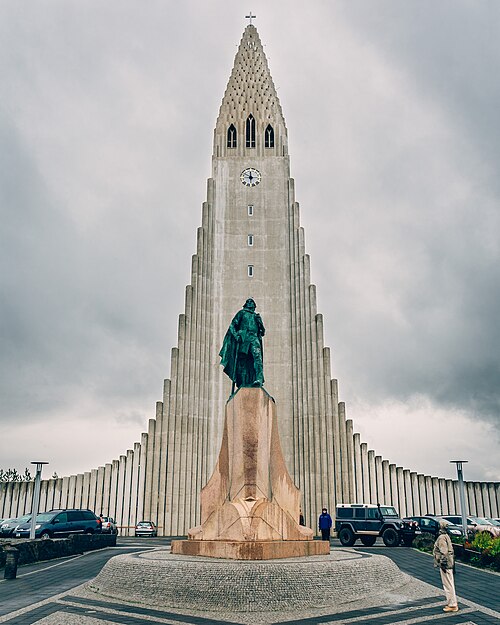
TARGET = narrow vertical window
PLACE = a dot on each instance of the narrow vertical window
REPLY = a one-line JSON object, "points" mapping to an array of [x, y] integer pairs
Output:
{"points": [[250, 210], [250, 131], [250, 271], [231, 136], [269, 137], [250, 240]]}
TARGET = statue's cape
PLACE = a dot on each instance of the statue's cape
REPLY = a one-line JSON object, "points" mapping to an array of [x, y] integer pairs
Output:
{"points": [[229, 354]]}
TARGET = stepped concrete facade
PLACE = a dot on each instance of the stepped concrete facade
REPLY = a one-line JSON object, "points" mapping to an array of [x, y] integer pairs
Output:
{"points": [[250, 244]]}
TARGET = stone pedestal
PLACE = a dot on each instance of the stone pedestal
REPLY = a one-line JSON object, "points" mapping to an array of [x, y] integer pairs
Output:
{"points": [[250, 507]]}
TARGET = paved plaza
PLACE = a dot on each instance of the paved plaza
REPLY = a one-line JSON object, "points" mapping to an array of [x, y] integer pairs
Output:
{"points": [[56, 593]]}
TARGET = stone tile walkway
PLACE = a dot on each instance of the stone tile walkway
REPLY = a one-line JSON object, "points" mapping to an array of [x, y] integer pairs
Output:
{"points": [[479, 599]]}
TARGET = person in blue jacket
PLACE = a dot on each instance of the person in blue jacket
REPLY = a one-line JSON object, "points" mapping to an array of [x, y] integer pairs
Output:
{"points": [[325, 524]]}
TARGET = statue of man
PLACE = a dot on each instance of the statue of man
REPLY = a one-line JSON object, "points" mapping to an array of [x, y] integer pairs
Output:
{"points": [[241, 353]]}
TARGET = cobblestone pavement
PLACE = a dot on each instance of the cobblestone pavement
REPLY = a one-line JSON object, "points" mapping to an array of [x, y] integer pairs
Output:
{"points": [[478, 591]]}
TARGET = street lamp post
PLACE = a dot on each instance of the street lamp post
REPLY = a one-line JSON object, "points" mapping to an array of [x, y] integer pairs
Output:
{"points": [[36, 497], [461, 490]]}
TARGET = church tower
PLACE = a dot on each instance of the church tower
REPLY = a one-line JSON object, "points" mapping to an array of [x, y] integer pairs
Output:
{"points": [[250, 244]]}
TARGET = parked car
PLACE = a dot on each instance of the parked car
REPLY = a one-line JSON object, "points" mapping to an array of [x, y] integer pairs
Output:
{"points": [[61, 523], [474, 524], [8, 526], [367, 521], [146, 528], [430, 525], [108, 525]]}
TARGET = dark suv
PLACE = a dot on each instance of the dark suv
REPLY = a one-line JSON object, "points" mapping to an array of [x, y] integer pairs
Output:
{"points": [[367, 521], [61, 523], [430, 525]]}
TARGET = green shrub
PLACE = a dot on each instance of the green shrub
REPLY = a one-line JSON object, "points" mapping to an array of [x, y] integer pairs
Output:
{"points": [[482, 541], [495, 547]]}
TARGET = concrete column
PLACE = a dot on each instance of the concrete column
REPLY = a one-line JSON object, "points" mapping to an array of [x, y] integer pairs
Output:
{"points": [[358, 472], [394, 485], [107, 500], [414, 493], [15, 498], [379, 478], [78, 490], [486, 499], [92, 490], [51, 485], [387, 483], [372, 478], [479, 499], [330, 429], [127, 492], [364, 471], [44, 495], [22, 500], [173, 418], [350, 458], [422, 492], [470, 497], [7, 506], [344, 455], [142, 477], [113, 491], [410, 509], [450, 493], [401, 507], [184, 494], [134, 488], [156, 462], [456, 498], [85, 489], [148, 483], [493, 501], [358, 480], [120, 485], [65, 493], [443, 496], [99, 491], [72, 491]]}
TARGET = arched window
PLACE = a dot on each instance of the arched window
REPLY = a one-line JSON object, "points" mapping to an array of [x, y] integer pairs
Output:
{"points": [[250, 131], [231, 136], [269, 137]]}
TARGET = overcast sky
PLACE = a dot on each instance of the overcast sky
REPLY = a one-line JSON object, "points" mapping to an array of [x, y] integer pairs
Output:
{"points": [[107, 112]]}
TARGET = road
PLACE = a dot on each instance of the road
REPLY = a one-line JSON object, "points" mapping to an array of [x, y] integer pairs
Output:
{"points": [[36, 582]]}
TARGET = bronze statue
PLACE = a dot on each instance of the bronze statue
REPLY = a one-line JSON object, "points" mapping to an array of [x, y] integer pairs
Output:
{"points": [[241, 353]]}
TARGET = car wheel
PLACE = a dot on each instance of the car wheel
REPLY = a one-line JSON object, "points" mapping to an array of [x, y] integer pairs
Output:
{"points": [[347, 537], [390, 537], [45, 535], [368, 541]]}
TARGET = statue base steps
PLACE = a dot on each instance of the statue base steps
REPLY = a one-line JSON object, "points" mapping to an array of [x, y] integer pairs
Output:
{"points": [[251, 550]]}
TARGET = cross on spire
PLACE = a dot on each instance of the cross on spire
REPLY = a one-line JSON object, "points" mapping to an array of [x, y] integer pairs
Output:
{"points": [[250, 17]]}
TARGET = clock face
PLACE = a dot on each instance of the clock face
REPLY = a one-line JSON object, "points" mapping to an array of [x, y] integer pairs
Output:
{"points": [[250, 177]]}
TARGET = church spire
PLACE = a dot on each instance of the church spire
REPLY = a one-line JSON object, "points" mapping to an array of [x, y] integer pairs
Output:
{"points": [[250, 94]]}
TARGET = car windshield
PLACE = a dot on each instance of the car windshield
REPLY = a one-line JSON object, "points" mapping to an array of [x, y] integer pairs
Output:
{"points": [[492, 521], [388, 511], [143, 524], [479, 521], [24, 518]]}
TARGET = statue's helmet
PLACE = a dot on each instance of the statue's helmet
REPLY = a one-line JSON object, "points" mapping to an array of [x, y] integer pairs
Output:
{"points": [[250, 303]]}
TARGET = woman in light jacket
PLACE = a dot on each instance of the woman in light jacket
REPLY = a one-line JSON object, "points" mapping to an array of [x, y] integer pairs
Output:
{"points": [[444, 559]]}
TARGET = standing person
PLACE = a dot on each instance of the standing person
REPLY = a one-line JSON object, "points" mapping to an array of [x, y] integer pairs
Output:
{"points": [[444, 559], [325, 524]]}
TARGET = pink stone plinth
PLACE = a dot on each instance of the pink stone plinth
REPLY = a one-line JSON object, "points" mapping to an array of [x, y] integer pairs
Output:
{"points": [[251, 550], [250, 496]]}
